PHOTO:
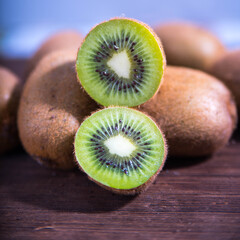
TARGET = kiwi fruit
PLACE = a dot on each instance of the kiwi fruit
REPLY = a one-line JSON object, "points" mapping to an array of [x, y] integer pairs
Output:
{"points": [[227, 69], [121, 149], [195, 111], [120, 63], [51, 109], [10, 89], [189, 45], [63, 40]]}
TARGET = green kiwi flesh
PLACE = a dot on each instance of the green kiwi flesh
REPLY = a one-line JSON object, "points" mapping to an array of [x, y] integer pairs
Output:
{"points": [[121, 149], [120, 63], [195, 111], [10, 89], [51, 109]]}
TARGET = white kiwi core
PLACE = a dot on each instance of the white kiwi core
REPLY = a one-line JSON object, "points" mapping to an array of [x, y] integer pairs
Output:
{"points": [[119, 145], [120, 64]]}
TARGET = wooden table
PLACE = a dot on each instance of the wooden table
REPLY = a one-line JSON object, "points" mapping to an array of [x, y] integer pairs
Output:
{"points": [[191, 199]]}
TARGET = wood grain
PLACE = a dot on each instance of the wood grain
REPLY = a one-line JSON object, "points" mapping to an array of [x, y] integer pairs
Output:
{"points": [[191, 199]]}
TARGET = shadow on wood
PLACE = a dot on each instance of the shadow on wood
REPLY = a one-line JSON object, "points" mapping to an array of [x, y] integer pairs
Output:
{"points": [[55, 190], [182, 162], [236, 134]]}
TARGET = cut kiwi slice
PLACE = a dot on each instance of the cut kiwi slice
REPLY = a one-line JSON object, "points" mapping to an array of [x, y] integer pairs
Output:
{"points": [[120, 63], [120, 149]]}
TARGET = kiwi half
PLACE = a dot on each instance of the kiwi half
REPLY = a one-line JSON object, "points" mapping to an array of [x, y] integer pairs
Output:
{"points": [[51, 109], [10, 89], [120, 63], [120, 149], [195, 110]]}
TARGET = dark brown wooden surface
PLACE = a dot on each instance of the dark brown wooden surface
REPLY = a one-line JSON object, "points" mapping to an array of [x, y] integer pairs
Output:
{"points": [[191, 199]]}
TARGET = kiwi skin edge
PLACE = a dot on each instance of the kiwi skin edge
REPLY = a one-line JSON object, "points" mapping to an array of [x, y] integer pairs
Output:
{"points": [[10, 90], [195, 110], [227, 69], [154, 35], [68, 39], [140, 189]]}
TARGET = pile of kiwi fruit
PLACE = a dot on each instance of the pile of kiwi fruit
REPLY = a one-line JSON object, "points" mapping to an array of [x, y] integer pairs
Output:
{"points": [[110, 105]]}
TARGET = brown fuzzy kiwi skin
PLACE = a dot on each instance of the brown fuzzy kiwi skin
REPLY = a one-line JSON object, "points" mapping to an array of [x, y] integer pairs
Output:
{"points": [[68, 39], [227, 69], [10, 89], [189, 45], [142, 188], [51, 109], [151, 31], [195, 111]]}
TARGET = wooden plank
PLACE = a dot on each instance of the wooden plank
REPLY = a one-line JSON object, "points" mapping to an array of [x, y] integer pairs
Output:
{"points": [[191, 199], [197, 201]]}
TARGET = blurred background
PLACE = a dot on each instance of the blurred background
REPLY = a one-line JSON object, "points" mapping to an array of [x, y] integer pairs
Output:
{"points": [[25, 24]]}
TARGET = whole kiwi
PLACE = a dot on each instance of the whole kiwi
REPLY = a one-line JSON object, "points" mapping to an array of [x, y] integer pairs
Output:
{"points": [[227, 69], [195, 111], [51, 109], [189, 45], [10, 89], [63, 40]]}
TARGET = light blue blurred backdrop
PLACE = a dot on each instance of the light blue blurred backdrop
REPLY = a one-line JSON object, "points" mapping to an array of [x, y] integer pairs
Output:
{"points": [[24, 24]]}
